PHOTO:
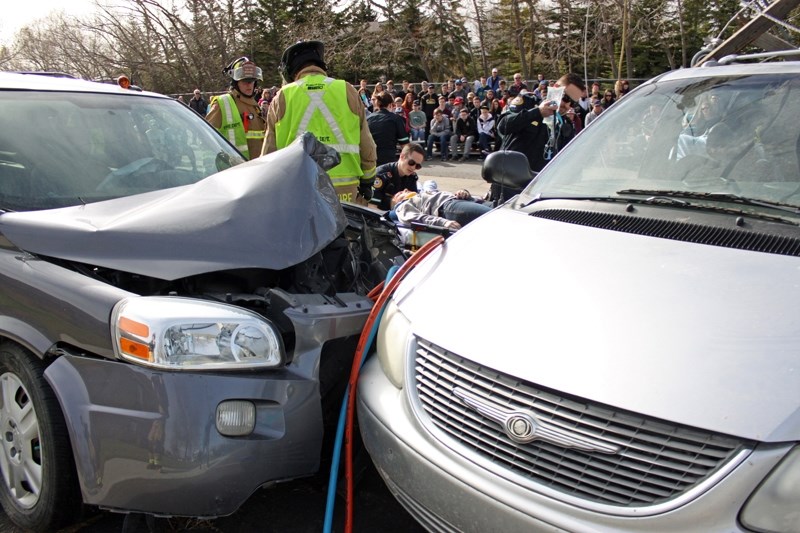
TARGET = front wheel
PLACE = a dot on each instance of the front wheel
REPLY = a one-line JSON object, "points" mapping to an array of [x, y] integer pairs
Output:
{"points": [[39, 489]]}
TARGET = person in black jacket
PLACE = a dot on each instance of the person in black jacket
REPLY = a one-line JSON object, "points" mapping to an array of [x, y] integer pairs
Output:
{"points": [[388, 129], [198, 103], [466, 132], [394, 177], [523, 128]]}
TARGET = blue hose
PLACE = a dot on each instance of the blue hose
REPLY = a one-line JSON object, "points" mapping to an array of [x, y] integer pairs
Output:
{"points": [[333, 480]]}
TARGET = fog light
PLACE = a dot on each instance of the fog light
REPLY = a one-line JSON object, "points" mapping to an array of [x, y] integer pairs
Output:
{"points": [[236, 418]]}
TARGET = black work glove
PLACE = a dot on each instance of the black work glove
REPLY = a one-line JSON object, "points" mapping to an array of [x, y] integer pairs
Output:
{"points": [[365, 190]]}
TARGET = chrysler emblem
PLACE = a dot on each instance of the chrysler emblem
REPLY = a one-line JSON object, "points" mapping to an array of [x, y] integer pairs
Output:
{"points": [[523, 426]]}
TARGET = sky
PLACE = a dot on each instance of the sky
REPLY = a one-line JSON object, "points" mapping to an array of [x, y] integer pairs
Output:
{"points": [[14, 18]]}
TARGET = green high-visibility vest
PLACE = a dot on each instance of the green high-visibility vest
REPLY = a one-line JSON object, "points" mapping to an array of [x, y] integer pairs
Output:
{"points": [[318, 104], [232, 127]]}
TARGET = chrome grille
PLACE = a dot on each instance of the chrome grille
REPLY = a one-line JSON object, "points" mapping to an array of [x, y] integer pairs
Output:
{"points": [[656, 461]]}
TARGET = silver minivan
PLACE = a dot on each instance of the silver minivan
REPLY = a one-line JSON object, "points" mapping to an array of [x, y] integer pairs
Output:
{"points": [[630, 360]]}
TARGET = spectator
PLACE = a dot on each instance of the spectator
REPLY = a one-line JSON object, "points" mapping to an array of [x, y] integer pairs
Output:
{"points": [[475, 108], [403, 90], [440, 131], [488, 98], [542, 94], [366, 99], [444, 107], [433, 207], [459, 91], [362, 86], [597, 109], [540, 91], [446, 89], [416, 122], [518, 85], [494, 80], [502, 89], [453, 108], [400, 111], [399, 175], [198, 103], [621, 88], [388, 129], [338, 118], [236, 114], [408, 102], [424, 91], [390, 89], [571, 123], [496, 107], [465, 133], [481, 87], [608, 99], [486, 131], [456, 106], [429, 102], [584, 106]]}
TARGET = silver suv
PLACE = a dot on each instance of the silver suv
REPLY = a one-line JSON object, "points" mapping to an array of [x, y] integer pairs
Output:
{"points": [[631, 361]]}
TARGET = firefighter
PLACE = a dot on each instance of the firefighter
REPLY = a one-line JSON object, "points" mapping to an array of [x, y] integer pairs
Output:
{"points": [[236, 114], [330, 109]]}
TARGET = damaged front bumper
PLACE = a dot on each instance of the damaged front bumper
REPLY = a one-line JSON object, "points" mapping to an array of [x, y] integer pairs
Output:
{"points": [[147, 440]]}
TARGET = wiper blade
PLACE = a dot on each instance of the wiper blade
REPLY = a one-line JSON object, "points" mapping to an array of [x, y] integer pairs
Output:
{"points": [[735, 198]]}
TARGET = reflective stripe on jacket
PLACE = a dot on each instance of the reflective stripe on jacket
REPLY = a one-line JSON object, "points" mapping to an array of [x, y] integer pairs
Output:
{"points": [[319, 104], [232, 127]]}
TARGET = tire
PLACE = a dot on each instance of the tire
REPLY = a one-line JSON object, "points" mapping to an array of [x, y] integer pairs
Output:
{"points": [[38, 482]]}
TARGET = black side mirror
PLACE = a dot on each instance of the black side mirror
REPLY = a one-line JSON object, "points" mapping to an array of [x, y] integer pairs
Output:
{"points": [[508, 169]]}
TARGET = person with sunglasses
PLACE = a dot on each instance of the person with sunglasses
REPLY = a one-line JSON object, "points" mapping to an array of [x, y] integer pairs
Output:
{"points": [[391, 178], [608, 99]]}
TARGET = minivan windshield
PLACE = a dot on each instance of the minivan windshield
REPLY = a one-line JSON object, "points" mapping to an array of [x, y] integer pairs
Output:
{"points": [[737, 137], [61, 149]]}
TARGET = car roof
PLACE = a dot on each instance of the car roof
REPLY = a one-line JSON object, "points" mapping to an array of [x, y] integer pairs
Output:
{"points": [[58, 82], [733, 69]]}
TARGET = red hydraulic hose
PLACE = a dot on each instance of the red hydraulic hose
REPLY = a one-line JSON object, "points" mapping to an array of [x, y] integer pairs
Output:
{"points": [[388, 289]]}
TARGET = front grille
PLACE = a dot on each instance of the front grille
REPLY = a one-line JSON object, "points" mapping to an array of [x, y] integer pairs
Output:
{"points": [[655, 461]]}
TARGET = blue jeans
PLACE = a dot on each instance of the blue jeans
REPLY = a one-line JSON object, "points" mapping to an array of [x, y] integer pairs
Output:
{"points": [[418, 135], [444, 145], [463, 211], [485, 141]]}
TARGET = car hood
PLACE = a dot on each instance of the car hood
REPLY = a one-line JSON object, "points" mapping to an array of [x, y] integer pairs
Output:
{"points": [[698, 335], [272, 212]]}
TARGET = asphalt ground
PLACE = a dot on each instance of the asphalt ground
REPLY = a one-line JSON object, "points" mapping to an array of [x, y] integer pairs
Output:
{"points": [[452, 176]]}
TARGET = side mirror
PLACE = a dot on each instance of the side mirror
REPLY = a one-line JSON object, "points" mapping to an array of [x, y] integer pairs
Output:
{"points": [[508, 169]]}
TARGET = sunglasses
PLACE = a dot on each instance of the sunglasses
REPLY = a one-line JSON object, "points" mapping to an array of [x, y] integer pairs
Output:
{"points": [[414, 164]]}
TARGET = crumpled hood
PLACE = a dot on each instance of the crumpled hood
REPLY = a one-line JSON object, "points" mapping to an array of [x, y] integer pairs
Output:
{"points": [[699, 335], [272, 212]]}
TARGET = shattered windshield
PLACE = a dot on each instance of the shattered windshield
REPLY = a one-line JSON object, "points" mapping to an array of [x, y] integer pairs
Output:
{"points": [[736, 137], [61, 149]]}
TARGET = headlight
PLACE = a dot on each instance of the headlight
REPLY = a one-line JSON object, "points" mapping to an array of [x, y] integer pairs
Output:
{"points": [[188, 334], [774, 506], [394, 334]]}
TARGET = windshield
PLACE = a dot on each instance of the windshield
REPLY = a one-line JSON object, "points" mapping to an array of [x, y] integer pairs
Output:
{"points": [[63, 149], [739, 136]]}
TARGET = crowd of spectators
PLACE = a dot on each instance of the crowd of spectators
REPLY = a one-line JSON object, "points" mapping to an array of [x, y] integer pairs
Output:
{"points": [[459, 119]]}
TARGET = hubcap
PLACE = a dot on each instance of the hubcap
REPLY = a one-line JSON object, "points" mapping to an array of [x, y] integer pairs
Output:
{"points": [[21, 459]]}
